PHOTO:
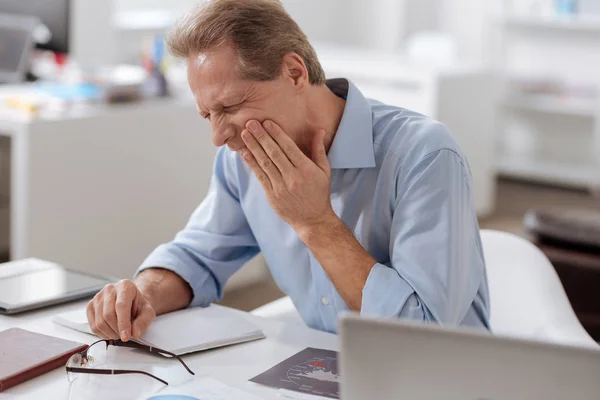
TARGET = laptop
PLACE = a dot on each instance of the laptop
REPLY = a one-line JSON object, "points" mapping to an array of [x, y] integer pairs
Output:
{"points": [[32, 283], [392, 359]]}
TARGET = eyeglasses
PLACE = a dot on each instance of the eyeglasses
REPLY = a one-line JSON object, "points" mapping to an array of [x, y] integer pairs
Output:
{"points": [[95, 355]]}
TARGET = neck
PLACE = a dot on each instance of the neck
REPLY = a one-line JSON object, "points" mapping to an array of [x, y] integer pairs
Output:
{"points": [[325, 111]]}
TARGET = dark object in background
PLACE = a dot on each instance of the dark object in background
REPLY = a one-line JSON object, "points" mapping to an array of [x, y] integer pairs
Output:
{"points": [[571, 240], [54, 14]]}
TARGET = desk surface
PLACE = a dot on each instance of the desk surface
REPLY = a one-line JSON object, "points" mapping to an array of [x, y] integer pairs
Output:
{"points": [[231, 365]]}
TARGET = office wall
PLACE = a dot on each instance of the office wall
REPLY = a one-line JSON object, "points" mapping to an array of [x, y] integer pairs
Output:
{"points": [[93, 39], [175, 5]]}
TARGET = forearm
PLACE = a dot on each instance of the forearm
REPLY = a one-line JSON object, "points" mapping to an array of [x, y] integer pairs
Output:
{"points": [[342, 257], [165, 290]]}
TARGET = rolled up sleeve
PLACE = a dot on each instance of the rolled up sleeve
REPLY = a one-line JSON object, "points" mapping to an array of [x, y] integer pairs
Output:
{"points": [[398, 299], [216, 241], [436, 265]]}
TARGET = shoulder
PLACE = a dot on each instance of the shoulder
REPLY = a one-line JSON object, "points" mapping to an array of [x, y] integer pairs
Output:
{"points": [[405, 138], [230, 162], [230, 170]]}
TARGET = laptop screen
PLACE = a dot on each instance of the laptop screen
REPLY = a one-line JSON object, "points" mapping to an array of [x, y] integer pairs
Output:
{"points": [[13, 42]]}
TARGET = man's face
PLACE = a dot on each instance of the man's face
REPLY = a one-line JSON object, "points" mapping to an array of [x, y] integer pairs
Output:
{"points": [[230, 102]]}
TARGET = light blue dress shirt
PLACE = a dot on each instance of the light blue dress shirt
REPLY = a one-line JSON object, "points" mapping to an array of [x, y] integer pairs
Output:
{"points": [[398, 181]]}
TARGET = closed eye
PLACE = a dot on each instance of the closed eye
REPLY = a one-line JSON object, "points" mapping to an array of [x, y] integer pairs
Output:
{"points": [[233, 108]]}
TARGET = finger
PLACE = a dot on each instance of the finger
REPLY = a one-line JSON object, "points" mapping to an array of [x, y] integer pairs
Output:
{"points": [[264, 161], [257, 170], [253, 163], [144, 317], [101, 325], [287, 145], [124, 302], [270, 146], [91, 316], [319, 154], [108, 311]]}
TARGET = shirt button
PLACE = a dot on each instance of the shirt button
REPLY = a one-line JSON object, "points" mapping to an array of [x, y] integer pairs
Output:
{"points": [[324, 300]]}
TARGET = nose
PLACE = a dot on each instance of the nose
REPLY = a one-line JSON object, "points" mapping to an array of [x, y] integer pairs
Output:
{"points": [[221, 133]]}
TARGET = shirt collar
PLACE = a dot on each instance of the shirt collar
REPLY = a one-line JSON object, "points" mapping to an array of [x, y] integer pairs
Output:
{"points": [[352, 145]]}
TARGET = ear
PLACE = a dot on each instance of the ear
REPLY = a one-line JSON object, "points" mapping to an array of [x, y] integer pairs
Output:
{"points": [[294, 68]]}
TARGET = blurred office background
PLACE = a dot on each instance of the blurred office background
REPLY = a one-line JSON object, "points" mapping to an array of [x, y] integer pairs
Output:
{"points": [[104, 156]]}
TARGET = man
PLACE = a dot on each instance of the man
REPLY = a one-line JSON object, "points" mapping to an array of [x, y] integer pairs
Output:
{"points": [[354, 204]]}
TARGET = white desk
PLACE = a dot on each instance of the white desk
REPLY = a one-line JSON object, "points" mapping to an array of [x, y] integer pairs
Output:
{"points": [[231, 365]]}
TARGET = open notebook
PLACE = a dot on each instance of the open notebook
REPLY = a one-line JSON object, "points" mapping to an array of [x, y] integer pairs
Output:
{"points": [[185, 331]]}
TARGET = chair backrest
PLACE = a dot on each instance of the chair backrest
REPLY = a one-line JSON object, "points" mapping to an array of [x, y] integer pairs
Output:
{"points": [[527, 298]]}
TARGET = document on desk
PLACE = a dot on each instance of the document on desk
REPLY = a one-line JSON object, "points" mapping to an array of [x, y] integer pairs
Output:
{"points": [[185, 331], [311, 372]]}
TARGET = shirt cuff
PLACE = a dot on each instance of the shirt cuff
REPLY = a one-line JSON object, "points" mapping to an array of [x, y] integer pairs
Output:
{"points": [[174, 258], [386, 294]]}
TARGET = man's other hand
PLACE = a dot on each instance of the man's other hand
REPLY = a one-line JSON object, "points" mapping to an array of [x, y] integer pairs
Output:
{"points": [[120, 311]]}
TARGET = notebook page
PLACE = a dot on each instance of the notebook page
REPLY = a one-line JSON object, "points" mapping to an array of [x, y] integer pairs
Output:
{"points": [[195, 329], [184, 331], [198, 328]]}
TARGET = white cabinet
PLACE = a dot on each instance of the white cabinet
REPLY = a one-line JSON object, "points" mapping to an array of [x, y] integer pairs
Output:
{"points": [[551, 119]]}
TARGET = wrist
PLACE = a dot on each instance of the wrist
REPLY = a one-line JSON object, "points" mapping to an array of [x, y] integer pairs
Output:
{"points": [[322, 229], [163, 289], [147, 286]]}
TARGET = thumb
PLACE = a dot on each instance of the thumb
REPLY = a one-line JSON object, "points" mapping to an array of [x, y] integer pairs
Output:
{"points": [[319, 155]]}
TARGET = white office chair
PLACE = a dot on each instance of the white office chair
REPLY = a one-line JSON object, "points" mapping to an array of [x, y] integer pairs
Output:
{"points": [[527, 298]]}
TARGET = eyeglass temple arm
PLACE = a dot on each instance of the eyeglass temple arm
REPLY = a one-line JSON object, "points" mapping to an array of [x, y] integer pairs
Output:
{"points": [[137, 345], [113, 372]]}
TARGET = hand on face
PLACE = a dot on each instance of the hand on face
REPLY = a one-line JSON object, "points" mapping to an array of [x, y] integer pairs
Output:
{"points": [[296, 186]]}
